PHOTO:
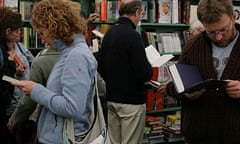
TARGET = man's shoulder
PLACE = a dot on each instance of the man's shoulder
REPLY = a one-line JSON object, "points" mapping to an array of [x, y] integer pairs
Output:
{"points": [[46, 55], [48, 51]]}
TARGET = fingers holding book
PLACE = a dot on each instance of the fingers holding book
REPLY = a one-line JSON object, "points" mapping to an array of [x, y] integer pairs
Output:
{"points": [[25, 86]]}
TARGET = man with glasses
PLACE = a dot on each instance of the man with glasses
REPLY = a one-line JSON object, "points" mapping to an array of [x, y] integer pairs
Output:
{"points": [[212, 116]]}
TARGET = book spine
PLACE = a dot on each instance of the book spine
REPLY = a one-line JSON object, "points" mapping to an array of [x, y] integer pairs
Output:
{"points": [[175, 11], [18, 60], [104, 10], [152, 11]]}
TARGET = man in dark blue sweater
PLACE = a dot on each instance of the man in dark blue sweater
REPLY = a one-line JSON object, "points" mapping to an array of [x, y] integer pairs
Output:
{"points": [[124, 66]]}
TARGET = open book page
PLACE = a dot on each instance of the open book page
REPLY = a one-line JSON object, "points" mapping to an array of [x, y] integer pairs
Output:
{"points": [[155, 59]]}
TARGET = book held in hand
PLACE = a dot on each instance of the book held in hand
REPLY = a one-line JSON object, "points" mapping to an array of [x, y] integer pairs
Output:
{"points": [[155, 59], [9, 79], [153, 84], [187, 78], [18, 60]]}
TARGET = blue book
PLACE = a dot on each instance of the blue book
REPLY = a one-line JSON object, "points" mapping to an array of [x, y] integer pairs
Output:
{"points": [[187, 78]]}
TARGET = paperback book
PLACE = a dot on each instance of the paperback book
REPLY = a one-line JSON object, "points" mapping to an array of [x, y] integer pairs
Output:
{"points": [[154, 57]]}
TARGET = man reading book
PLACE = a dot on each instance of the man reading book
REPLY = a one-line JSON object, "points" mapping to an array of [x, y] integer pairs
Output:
{"points": [[212, 116]]}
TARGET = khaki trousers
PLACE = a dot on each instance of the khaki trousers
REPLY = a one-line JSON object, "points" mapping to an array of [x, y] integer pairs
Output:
{"points": [[126, 123]]}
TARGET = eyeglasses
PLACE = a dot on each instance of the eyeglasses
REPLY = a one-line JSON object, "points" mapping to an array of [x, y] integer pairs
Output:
{"points": [[221, 32], [142, 14]]}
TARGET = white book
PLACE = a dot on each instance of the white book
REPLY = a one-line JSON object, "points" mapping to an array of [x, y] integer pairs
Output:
{"points": [[154, 57], [9, 79], [98, 33], [175, 11]]}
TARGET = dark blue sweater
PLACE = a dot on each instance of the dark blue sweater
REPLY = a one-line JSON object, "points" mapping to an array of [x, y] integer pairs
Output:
{"points": [[123, 63]]}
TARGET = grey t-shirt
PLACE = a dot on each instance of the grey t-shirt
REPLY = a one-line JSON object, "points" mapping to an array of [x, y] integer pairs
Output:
{"points": [[221, 56]]}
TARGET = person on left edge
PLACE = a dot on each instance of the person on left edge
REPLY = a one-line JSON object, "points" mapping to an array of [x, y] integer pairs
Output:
{"points": [[12, 25], [17, 48], [125, 69], [70, 87], [9, 23]]}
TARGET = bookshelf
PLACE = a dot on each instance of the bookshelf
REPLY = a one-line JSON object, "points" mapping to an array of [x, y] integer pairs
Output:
{"points": [[165, 110], [162, 27], [159, 31]]}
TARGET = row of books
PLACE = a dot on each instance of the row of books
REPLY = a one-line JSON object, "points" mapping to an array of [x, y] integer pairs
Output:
{"points": [[160, 129], [159, 11], [154, 100], [167, 11], [108, 10], [166, 42], [26, 9], [30, 38], [13, 4]]}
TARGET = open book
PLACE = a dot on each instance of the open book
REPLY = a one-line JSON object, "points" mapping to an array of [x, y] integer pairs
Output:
{"points": [[154, 57], [187, 78]]}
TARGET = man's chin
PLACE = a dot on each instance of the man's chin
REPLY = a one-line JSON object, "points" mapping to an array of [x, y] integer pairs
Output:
{"points": [[221, 44]]}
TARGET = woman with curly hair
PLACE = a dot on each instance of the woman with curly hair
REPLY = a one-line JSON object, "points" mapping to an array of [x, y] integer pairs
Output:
{"points": [[70, 87]]}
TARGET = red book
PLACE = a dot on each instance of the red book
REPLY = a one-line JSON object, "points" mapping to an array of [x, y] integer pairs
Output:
{"points": [[104, 10], [18, 60], [155, 100]]}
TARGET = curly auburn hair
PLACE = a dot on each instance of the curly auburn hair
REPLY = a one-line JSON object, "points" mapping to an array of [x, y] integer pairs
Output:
{"points": [[60, 17]]}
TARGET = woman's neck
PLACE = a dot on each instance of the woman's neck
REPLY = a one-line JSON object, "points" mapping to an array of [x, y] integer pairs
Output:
{"points": [[11, 46]]}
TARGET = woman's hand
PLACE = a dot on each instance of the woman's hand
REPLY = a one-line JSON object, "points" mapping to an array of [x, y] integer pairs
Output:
{"points": [[20, 70], [92, 17], [10, 127], [25, 86]]}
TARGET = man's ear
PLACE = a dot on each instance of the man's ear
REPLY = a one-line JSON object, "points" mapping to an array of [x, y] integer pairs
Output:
{"points": [[8, 30], [235, 16], [138, 12]]}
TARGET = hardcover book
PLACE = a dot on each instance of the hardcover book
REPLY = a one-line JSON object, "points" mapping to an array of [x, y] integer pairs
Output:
{"points": [[187, 78], [164, 11]]}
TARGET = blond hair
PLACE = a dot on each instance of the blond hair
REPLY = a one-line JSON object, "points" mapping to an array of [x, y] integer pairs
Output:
{"points": [[60, 17], [210, 11]]}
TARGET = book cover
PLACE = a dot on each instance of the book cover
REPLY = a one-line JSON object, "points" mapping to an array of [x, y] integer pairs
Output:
{"points": [[13, 4], [175, 15], [153, 120], [152, 11], [1, 3], [154, 100], [103, 10], [187, 78], [164, 11], [18, 60]]}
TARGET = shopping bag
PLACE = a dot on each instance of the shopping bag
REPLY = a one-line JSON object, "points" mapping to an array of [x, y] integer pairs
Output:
{"points": [[96, 134]]}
